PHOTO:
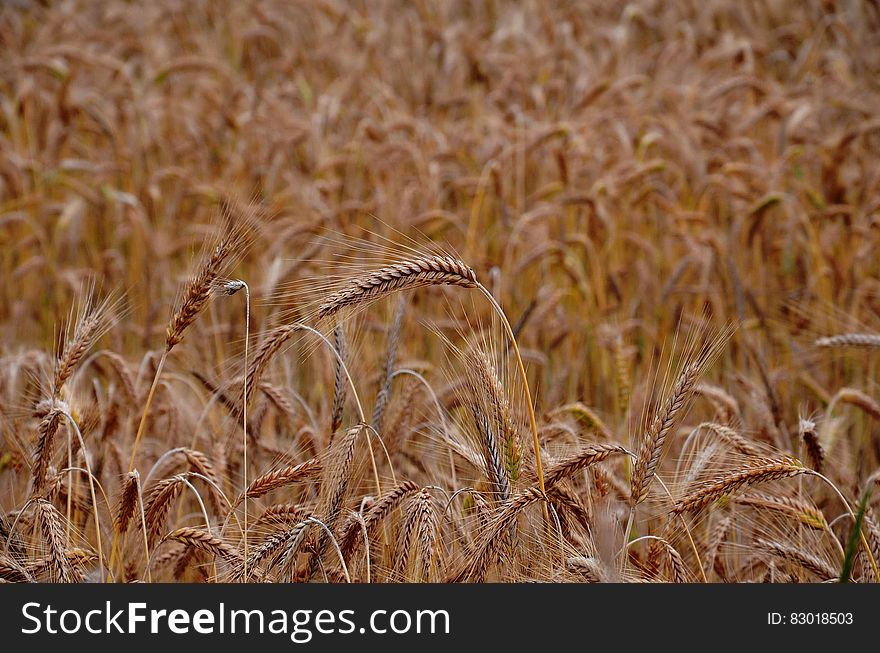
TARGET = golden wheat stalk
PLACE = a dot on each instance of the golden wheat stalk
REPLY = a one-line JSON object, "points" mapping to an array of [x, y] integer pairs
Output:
{"points": [[860, 340], [424, 271], [758, 471]]}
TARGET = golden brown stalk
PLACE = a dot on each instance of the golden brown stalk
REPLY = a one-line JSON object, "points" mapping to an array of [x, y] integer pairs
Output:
{"points": [[807, 561], [498, 477], [676, 563], [587, 416], [662, 424], [383, 506], [201, 286], [384, 394], [727, 406], [815, 452], [199, 462], [205, 541], [280, 478], [758, 471], [52, 526], [805, 512], [488, 385], [861, 340], [414, 273], [46, 432], [263, 356], [127, 503], [733, 438], [339, 381], [587, 456], [433, 270], [427, 534], [12, 572], [474, 569], [89, 329], [858, 399], [334, 484], [196, 294], [158, 502], [719, 533], [283, 513], [621, 369]]}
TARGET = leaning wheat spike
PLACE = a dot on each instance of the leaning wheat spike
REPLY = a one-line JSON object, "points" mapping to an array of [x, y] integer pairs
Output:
{"points": [[12, 572], [807, 561], [805, 512], [337, 472], [426, 535], [757, 471], [733, 438], [587, 456], [413, 273], [202, 285], [126, 380], [282, 513], [494, 467], [78, 559], [279, 399], [175, 551], [676, 563], [339, 381], [199, 462], [205, 541], [621, 370], [564, 497], [263, 356], [815, 452], [404, 537], [280, 478], [862, 340], [432, 270], [374, 516], [334, 484], [475, 568], [127, 503], [295, 538], [89, 328], [663, 422], [858, 399], [587, 416], [52, 526], [158, 502], [590, 568], [272, 545], [46, 431], [486, 379], [716, 539], [727, 406], [384, 394]]}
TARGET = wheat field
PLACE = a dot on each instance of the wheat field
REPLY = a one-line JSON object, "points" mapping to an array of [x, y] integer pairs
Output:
{"points": [[466, 291]]}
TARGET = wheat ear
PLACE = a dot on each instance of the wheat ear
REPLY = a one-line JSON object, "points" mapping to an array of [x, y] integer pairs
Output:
{"points": [[757, 471], [424, 271]]}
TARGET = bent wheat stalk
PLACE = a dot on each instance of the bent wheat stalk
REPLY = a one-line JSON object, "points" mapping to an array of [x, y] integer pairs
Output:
{"points": [[432, 270]]}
